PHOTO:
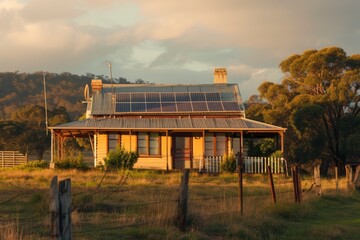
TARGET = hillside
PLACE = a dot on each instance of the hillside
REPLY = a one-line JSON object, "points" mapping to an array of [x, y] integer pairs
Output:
{"points": [[63, 90]]}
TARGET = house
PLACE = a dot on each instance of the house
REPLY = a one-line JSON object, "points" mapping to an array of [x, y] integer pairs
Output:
{"points": [[170, 126]]}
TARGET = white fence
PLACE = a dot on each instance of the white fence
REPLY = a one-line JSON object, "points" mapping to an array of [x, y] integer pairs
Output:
{"points": [[212, 164]]}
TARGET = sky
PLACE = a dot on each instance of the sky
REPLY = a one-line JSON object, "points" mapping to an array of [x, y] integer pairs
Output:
{"points": [[172, 41]]}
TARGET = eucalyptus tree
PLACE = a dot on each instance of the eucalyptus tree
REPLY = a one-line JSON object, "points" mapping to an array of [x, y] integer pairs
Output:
{"points": [[327, 79]]}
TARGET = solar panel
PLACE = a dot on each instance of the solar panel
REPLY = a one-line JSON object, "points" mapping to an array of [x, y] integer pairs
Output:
{"points": [[158, 102], [138, 107], [137, 97], [182, 97], [167, 97], [213, 96], [153, 107], [197, 97], [231, 106], [152, 97], [184, 107], [199, 106], [168, 107], [122, 107], [215, 106], [122, 97]]}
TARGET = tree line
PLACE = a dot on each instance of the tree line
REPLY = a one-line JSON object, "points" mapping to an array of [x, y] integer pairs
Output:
{"points": [[22, 112]]}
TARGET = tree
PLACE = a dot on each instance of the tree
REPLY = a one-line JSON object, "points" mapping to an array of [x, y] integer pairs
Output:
{"points": [[327, 78]]}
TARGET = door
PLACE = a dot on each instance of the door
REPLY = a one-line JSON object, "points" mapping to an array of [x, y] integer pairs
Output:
{"points": [[182, 152]]}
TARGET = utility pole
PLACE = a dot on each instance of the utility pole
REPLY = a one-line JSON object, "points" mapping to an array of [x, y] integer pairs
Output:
{"points": [[46, 116]]}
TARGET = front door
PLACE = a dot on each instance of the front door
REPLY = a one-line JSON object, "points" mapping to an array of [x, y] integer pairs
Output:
{"points": [[182, 152]]}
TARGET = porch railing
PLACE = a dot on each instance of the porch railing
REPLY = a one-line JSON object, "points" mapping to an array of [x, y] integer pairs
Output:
{"points": [[212, 164]]}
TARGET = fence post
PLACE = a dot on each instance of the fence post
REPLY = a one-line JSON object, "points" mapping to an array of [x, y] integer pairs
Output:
{"points": [[271, 184], [337, 178], [240, 190], [2, 158], [295, 183], [317, 179], [54, 209], [182, 207], [299, 189], [65, 208], [349, 177], [60, 209]]}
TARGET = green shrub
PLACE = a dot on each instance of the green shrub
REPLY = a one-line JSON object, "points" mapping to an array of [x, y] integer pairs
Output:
{"points": [[229, 163], [72, 163], [120, 158], [36, 164]]}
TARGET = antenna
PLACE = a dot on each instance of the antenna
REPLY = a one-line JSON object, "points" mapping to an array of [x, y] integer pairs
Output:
{"points": [[46, 116], [110, 70]]}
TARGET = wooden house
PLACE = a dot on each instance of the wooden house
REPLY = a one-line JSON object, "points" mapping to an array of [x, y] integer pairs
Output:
{"points": [[170, 126]]}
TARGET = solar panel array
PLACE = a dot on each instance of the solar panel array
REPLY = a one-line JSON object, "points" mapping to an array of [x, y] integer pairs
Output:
{"points": [[165, 102]]}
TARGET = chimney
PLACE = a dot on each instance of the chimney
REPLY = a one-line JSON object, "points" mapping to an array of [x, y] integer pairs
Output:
{"points": [[220, 75], [96, 85]]}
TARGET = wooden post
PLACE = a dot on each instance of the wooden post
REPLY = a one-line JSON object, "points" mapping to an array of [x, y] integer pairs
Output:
{"points": [[240, 190], [337, 178], [349, 177], [356, 177], [295, 184], [299, 189], [60, 209], [317, 180], [271, 184], [54, 209], [182, 207], [65, 208]]}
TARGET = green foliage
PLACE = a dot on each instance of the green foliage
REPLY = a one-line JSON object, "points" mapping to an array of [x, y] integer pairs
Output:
{"points": [[320, 89], [263, 149], [120, 158], [72, 163], [36, 164], [229, 163]]}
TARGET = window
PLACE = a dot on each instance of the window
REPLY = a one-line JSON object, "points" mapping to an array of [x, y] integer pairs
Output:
{"points": [[215, 144], [113, 141], [149, 144]]}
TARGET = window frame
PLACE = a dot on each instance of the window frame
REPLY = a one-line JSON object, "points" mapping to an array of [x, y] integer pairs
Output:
{"points": [[117, 139], [214, 142], [148, 139]]}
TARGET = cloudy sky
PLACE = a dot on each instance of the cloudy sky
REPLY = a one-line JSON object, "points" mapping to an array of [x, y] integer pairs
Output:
{"points": [[172, 41]]}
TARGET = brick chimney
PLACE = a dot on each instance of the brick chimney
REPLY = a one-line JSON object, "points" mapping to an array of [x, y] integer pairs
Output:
{"points": [[220, 75], [96, 85]]}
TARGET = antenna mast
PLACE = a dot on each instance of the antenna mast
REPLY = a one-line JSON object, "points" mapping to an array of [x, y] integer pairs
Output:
{"points": [[46, 116]]}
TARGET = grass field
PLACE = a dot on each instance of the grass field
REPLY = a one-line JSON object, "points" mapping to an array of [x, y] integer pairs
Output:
{"points": [[145, 207]]}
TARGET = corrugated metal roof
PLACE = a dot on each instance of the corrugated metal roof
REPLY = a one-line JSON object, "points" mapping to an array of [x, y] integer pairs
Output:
{"points": [[169, 124]]}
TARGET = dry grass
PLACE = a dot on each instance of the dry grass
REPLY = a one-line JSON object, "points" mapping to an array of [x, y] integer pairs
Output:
{"points": [[146, 206]]}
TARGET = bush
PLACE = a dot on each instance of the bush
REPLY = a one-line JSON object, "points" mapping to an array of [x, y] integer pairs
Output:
{"points": [[72, 163], [36, 164], [229, 163], [120, 159]]}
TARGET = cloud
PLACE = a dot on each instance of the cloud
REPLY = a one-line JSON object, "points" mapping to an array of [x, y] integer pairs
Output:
{"points": [[172, 41]]}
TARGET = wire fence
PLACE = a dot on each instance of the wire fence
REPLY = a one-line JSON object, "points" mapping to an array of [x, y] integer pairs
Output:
{"points": [[25, 209]]}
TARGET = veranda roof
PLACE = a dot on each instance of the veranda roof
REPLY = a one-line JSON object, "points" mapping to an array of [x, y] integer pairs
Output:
{"points": [[163, 124]]}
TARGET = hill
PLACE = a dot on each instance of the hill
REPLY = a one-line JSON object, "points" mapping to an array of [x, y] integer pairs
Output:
{"points": [[63, 90]]}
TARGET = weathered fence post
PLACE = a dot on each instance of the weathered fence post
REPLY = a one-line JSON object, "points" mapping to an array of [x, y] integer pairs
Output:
{"points": [[65, 208], [317, 180], [297, 184], [336, 178], [240, 189], [349, 177], [182, 207], [54, 209], [60, 209], [357, 177], [271, 184]]}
